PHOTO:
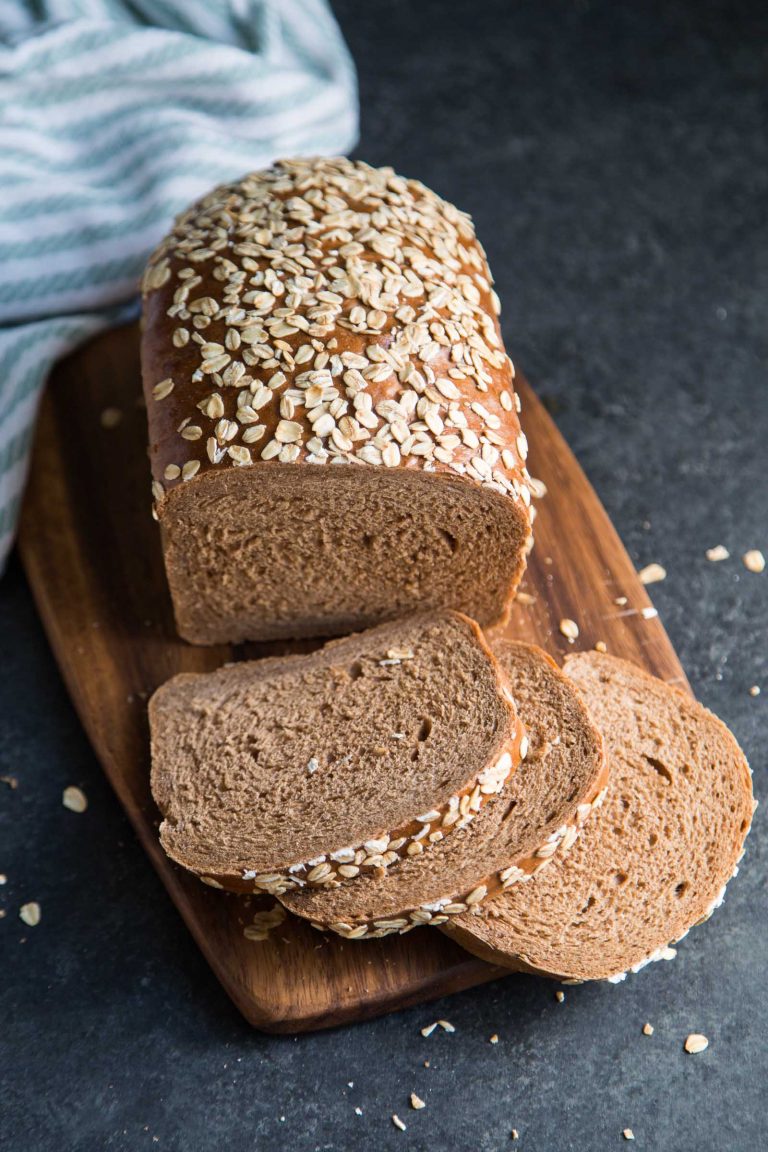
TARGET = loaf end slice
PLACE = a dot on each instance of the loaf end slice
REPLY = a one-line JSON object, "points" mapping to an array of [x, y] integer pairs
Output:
{"points": [[517, 834], [278, 774], [653, 862]]}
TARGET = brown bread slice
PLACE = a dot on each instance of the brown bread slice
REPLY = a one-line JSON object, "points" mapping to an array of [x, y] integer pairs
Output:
{"points": [[516, 834], [333, 426], [656, 857], [277, 773]]}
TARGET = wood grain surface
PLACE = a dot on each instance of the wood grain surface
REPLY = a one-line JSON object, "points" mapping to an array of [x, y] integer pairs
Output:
{"points": [[92, 556]]}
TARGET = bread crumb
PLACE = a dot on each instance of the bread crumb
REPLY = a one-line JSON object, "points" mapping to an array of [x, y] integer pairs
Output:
{"points": [[569, 629], [696, 1042], [601, 646], [628, 1134], [494, 1039], [417, 1102], [647, 1029], [648, 613], [719, 552], [446, 1026], [398, 1122], [428, 1030], [111, 417], [74, 799], [754, 560], [30, 913], [652, 573], [754, 690], [560, 996]]}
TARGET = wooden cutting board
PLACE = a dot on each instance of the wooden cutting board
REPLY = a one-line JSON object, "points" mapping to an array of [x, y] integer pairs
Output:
{"points": [[92, 556]]}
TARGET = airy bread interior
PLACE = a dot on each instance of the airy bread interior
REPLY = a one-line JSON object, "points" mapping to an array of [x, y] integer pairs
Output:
{"points": [[562, 769], [260, 765], [292, 550], [653, 860]]}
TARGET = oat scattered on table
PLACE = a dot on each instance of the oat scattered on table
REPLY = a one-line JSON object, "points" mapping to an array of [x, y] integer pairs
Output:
{"points": [[652, 574], [569, 629], [754, 560], [74, 798], [628, 1134], [494, 1039], [3, 878], [358, 1111], [525, 598], [264, 922], [648, 613], [648, 1029], [719, 552], [515, 1134], [429, 1029], [621, 601], [30, 913], [417, 1102], [560, 996], [696, 1042], [446, 1026], [754, 690], [398, 1122]]}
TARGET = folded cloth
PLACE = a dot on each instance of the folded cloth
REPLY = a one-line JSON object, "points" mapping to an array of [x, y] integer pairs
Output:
{"points": [[114, 115]]}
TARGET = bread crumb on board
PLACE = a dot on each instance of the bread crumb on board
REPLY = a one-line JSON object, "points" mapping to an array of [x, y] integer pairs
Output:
{"points": [[754, 561], [695, 1042], [111, 417], [652, 574], [569, 629], [719, 552]]}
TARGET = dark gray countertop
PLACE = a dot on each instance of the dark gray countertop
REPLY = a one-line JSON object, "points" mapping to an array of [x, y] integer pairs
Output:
{"points": [[614, 158]]}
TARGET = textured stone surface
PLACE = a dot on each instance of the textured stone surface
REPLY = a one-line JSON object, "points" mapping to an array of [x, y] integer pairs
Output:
{"points": [[614, 159]]}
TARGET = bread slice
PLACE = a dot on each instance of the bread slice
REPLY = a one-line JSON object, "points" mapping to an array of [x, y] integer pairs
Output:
{"points": [[653, 862], [313, 769], [333, 426], [516, 835]]}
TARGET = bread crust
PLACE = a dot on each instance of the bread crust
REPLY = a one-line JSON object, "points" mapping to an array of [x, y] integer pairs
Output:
{"points": [[365, 332]]}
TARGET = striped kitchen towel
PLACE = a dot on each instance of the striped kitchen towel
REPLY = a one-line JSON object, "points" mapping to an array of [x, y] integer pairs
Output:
{"points": [[114, 115]]}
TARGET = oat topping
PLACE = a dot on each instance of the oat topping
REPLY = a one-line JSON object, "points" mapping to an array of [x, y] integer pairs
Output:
{"points": [[331, 277]]}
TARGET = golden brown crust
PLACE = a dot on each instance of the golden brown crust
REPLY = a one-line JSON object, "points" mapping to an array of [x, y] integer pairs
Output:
{"points": [[325, 311]]}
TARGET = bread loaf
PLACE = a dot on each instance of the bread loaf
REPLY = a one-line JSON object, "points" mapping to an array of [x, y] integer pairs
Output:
{"points": [[516, 835], [333, 427], [277, 774], [653, 861]]}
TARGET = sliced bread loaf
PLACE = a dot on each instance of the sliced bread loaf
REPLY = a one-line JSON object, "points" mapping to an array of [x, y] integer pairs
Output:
{"points": [[277, 773], [653, 862], [517, 834], [333, 425]]}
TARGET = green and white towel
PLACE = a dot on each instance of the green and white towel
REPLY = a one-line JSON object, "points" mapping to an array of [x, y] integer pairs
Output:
{"points": [[114, 115]]}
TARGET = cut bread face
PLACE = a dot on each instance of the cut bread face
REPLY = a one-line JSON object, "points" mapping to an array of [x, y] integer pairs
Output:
{"points": [[277, 774], [516, 835], [379, 544], [655, 859]]}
